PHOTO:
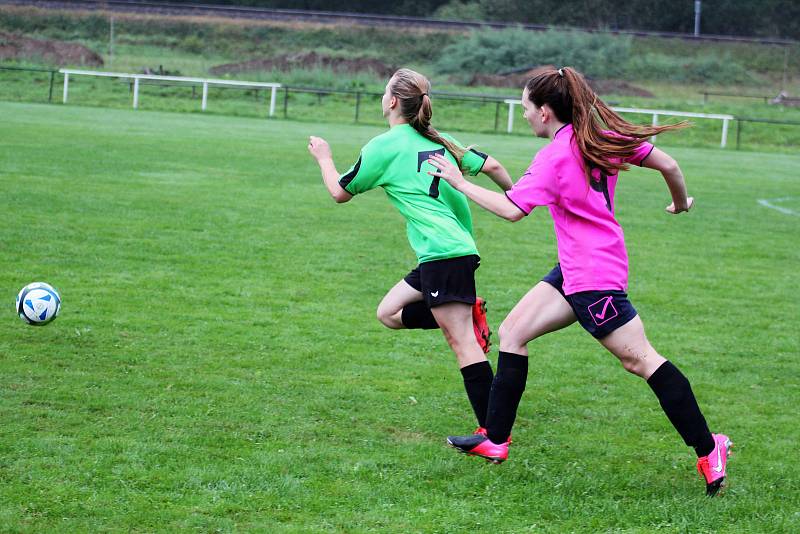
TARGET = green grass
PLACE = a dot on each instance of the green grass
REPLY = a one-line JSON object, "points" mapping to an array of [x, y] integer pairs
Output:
{"points": [[217, 365]]}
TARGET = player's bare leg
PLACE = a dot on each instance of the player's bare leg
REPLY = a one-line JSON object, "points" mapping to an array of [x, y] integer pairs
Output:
{"points": [[390, 310], [542, 310], [455, 320], [630, 345]]}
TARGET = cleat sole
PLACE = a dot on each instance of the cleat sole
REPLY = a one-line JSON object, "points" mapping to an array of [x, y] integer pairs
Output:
{"points": [[716, 488], [491, 459]]}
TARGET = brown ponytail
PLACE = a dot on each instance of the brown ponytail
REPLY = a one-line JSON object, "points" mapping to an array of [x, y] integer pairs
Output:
{"points": [[411, 89], [601, 134]]}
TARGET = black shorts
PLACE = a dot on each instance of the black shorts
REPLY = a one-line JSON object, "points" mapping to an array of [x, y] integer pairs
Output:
{"points": [[598, 312], [442, 281]]}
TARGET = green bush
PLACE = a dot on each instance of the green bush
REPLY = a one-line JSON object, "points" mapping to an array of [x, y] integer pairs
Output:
{"points": [[493, 52], [192, 43], [707, 69]]}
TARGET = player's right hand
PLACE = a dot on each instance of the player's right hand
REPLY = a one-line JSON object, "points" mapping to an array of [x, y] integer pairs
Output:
{"points": [[319, 148]]}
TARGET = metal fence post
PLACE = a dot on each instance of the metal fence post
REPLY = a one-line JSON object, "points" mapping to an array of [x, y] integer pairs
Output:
{"points": [[285, 101], [496, 115], [358, 103], [655, 123], [66, 87], [52, 79], [738, 132], [272, 98], [724, 140], [136, 93]]}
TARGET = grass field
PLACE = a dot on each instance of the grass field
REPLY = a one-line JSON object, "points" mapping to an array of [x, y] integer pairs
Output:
{"points": [[217, 365]]}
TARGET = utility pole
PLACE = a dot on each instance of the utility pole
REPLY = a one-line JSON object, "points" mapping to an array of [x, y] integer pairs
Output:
{"points": [[111, 41], [697, 18], [785, 67]]}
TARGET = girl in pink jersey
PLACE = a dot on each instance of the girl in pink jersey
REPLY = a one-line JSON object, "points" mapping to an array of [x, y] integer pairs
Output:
{"points": [[575, 176]]}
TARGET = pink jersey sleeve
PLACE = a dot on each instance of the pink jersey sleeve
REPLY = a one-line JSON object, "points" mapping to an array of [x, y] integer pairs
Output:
{"points": [[537, 187], [640, 154]]}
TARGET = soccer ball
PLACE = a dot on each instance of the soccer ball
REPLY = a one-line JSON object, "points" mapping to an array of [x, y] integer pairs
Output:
{"points": [[38, 303]]}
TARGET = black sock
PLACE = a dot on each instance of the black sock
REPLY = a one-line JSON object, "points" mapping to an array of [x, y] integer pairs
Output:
{"points": [[478, 383], [418, 315], [677, 399], [507, 388]]}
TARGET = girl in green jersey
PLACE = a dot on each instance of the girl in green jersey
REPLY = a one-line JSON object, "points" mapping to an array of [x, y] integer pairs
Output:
{"points": [[440, 291]]}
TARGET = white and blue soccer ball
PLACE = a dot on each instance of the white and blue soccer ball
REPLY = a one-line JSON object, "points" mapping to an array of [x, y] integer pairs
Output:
{"points": [[38, 303]]}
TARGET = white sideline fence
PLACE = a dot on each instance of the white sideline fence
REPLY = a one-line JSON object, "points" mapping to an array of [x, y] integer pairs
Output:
{"points": [[205, 82], [654, 112]]}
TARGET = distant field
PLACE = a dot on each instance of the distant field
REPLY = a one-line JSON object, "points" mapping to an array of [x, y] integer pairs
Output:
{"points": [[217, 365], [474, 116]]}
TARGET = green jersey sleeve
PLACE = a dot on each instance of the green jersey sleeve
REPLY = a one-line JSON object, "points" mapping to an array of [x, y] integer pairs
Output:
{"points": [[473, 161], [366, 173]]}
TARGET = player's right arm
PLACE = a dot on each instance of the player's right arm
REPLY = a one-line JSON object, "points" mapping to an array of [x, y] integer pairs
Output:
{"points": [[319, 148], [493, 201]]}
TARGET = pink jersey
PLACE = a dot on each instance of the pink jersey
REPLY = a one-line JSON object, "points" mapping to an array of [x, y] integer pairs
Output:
{"points": [[591, 245]]}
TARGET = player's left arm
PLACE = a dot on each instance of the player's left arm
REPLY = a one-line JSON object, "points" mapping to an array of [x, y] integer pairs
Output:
{"points": [[474, 162], [321, 151], [499, 175], [671, 171]]}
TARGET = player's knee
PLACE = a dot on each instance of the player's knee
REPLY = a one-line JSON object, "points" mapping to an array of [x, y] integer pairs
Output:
{"points": [[386, 317], [508, 334], [633, 365]]}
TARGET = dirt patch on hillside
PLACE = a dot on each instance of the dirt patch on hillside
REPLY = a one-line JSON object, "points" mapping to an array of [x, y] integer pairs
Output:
{"points": [[52, 52], [518, 80], [307, 60]]}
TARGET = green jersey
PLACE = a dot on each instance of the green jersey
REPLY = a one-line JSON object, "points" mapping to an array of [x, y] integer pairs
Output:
{"points": [[438, 220]]}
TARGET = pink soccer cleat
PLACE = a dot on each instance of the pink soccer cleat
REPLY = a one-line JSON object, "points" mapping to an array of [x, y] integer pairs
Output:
{"points": [[482, 332], [480, 445], [712, 467]]}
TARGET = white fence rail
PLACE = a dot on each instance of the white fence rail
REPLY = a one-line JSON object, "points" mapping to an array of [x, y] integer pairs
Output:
{"points": [[654, 112], [205, 82]]}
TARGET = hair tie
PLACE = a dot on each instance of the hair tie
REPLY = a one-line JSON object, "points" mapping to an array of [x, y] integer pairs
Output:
{"points": [[424, 94], [561, 72]]}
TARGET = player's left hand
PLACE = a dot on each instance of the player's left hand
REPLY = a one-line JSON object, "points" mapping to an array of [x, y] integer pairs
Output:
{"points": [[446, 170], [319, 148], [675, 210]]}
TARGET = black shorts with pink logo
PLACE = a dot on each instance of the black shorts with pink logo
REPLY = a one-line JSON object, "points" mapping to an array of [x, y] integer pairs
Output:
{"points": [[598, 312]]}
